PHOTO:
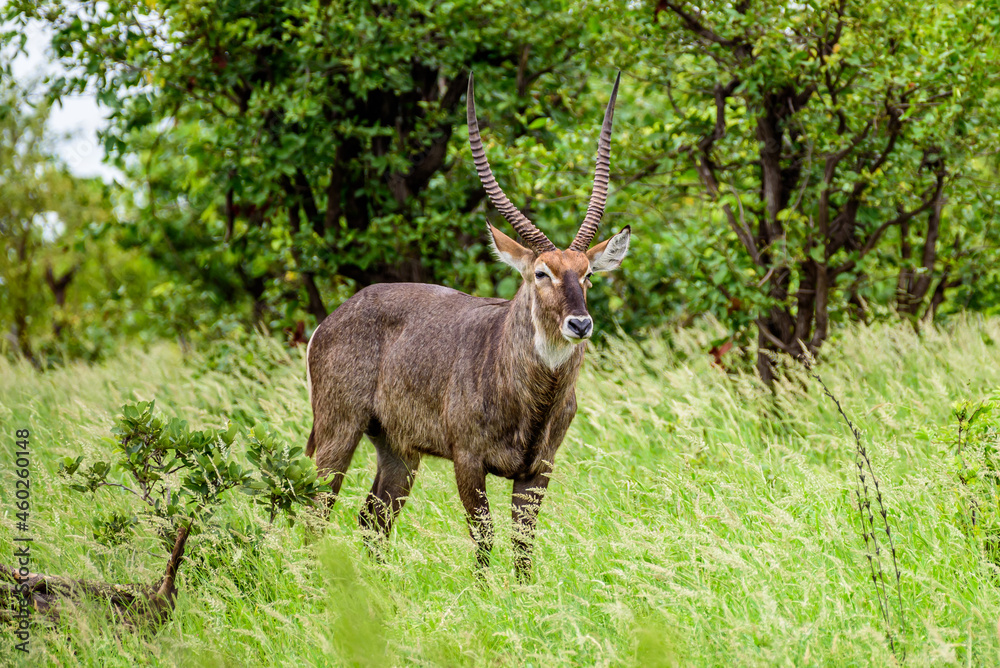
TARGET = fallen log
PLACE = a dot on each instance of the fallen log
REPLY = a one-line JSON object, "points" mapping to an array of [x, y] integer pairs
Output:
{"points": [[133, 605]]}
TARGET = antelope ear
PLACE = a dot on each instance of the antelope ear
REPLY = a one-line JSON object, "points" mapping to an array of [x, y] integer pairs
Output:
{"points": [[509, 251], [609, 254]]}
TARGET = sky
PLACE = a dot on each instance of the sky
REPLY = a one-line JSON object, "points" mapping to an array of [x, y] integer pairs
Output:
{"points": [[79, 117]]}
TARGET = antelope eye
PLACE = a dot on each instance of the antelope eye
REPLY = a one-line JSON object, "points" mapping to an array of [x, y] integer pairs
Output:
{"points": [[539, 275]]}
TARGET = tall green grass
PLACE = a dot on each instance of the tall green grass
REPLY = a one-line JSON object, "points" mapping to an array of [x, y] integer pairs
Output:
{"points": [[694, 519]]}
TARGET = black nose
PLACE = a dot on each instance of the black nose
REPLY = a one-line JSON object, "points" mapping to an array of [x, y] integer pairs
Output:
{"points": [[581, 327]]}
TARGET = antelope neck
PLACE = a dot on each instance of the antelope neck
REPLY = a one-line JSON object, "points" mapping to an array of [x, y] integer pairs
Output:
{"points": [[528, 347]]}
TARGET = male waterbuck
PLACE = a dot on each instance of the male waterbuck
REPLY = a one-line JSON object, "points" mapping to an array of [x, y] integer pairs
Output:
{"points": [[487, 383]]}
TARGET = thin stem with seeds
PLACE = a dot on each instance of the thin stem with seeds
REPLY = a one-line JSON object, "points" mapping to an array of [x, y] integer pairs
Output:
{"points": [[868, 532]]}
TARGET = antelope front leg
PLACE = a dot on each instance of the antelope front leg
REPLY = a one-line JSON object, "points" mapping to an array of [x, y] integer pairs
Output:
{"points": [[526, 501], [470, 474]]}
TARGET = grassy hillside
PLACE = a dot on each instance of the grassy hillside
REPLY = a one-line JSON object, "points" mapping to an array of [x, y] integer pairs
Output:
{"points": [[693, 519]]}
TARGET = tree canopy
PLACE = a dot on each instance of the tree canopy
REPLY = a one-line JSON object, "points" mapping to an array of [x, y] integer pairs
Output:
{"points": [[291, 152], [66, 285], [840, 146], [785, 166]]}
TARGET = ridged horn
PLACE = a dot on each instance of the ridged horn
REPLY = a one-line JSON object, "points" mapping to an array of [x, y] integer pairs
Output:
{"points": [[602, 174], [531, 235]]}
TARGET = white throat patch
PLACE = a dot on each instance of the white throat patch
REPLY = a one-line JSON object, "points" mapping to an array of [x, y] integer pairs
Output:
{"points": [[553, 354]]}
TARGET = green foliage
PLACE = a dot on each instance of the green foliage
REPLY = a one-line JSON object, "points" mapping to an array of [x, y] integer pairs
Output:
{"points": [[232, 349], [179, 473], [182, 475], [786, 167], [972, 441], [115, 528], [92, 478], [67, 289], [287, 479], [837, 148], [309, 147]]}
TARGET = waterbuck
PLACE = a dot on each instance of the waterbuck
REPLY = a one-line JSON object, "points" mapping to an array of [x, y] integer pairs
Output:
{"points": [[487, 383]]}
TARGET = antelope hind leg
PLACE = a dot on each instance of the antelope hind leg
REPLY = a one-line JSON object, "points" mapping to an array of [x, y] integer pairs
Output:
{"points": [[390, 489], [332, 445]]}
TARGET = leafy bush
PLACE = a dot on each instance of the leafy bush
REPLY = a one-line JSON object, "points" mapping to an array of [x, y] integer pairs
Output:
{"points": [[182, 475], [287, 478]]}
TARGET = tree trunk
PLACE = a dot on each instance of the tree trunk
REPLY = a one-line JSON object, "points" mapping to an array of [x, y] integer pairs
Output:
{"points": [[58, 286], [914, 286], [315, 302], [21, 337]]}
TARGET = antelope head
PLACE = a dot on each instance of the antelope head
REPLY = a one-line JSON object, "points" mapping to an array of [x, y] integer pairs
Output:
{"points": [[556, 280]]}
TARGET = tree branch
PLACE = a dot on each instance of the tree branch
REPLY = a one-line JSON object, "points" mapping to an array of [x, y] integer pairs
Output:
{"points": [[167, 589], [932, 197], [431, 160], [706, 169], [315, 305], [830, 170], [692, 23], [307, 198], [778, 343]]}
